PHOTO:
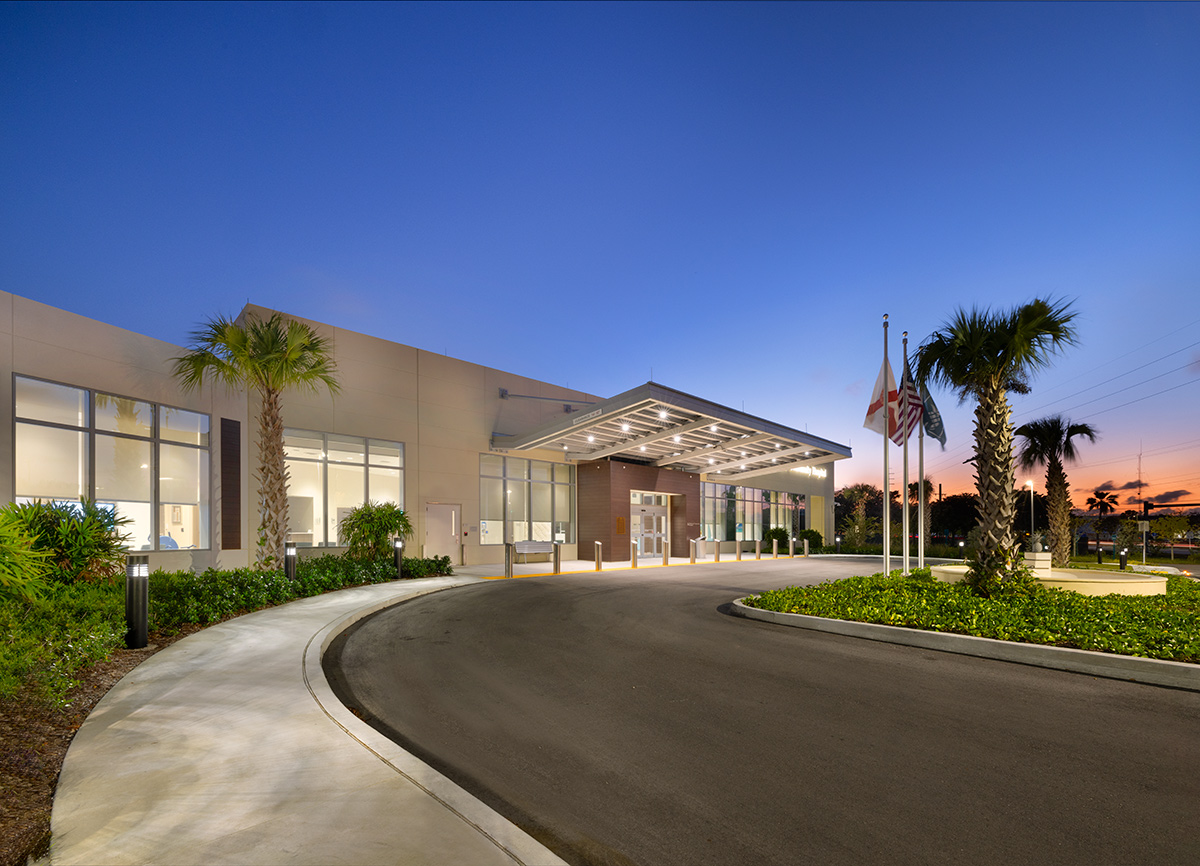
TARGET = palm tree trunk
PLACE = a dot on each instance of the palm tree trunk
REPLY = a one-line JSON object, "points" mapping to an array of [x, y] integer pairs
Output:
{"points": [[1058, 503], [994, 476], [272, 484]]}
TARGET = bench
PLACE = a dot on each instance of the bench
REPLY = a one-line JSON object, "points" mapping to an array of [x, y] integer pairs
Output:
{"points": [[524, 548]]}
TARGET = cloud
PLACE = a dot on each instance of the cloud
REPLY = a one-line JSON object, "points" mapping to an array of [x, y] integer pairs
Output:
{"points": [[1171, 496], [1131, 485]]}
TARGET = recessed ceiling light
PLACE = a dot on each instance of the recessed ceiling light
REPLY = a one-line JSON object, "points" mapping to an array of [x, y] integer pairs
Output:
{"points": [[676, 438], [591, 438], [643, 448], [624, 428], [777, 445], [713, 428], [711, 461], [662, 413]]}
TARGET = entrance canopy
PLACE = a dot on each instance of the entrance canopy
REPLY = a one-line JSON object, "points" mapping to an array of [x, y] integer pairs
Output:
{"points": [[660, 426]]}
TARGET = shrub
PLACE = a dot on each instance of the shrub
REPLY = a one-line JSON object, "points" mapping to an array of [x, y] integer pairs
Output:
{"points": [[368, 530], [814, 538], [21, 567], [773, 534], [83, 541]]}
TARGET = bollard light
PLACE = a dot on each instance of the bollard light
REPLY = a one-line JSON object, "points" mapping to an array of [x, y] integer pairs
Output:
{"points": [[289, 560], [1124, 557], [398, 552], [962, 546], [137, 601], [837, 540]]}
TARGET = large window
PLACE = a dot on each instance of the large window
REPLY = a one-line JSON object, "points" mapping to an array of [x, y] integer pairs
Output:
{"points": [[731, 513], [330, 475], [148, 462], [525, 500]]}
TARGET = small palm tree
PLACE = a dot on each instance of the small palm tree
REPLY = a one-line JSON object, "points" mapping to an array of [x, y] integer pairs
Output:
{"points": [[1103, 502], [914, 499], [1048, 441], [858, 496], [982, 356], [268, 357]]}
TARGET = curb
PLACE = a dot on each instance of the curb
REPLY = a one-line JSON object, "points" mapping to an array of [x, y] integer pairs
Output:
{"points": [[504, 834], [1155, 672]]}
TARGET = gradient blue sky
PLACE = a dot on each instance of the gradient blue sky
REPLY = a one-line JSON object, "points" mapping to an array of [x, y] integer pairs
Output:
{"points": [[728, 195]]}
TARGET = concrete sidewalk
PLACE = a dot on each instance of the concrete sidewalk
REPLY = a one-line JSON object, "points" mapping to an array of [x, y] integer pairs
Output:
{"points": [[230, 747]]}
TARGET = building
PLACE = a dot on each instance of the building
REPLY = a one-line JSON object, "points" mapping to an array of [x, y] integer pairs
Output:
{"points": [[475, 455]]}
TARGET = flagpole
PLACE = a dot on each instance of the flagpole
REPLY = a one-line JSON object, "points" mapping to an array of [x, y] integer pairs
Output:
{"points": [[904, 484], [887, 492], [921, 493]]}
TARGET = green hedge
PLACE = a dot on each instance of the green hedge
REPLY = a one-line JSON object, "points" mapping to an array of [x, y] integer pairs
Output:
{"points": [[1162, 627], [48, 639]]}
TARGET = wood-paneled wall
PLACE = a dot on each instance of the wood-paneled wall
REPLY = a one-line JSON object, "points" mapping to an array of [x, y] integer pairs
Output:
{"points": [[603, 488]]}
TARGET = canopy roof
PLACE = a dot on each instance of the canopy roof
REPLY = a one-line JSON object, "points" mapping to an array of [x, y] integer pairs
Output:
{"points": [[660, 426]]}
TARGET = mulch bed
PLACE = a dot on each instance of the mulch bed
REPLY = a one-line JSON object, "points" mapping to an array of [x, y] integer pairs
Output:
{"points": [[34, 739]]}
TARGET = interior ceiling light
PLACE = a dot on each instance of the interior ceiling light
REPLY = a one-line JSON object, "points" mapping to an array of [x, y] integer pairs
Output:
{"points": [[713, 429], [711, 461], [662, 413], [624, 428], [591, 438], [777, 445], [676, 437], [773, 460], [643, 448]]}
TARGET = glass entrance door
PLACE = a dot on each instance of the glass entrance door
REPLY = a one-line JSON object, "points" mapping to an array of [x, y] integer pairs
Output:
{"points": [[649, 524]]}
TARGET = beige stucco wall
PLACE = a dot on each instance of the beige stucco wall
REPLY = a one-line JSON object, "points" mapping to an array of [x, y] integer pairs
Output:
{"points": [[443, 409], [48, 343]]}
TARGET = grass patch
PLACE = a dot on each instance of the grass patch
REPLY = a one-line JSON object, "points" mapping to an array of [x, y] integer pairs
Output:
{"points": [[1158, 627]]}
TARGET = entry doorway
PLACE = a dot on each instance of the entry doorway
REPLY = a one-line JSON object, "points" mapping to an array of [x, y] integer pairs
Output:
{"points": [[443, 531], [650, 523]]}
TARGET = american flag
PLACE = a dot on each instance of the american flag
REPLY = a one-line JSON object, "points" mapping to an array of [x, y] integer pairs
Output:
{"points": [[909, 416]]}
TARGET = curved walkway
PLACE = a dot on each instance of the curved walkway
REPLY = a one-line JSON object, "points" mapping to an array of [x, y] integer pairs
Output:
{"points": [[229, 747]]}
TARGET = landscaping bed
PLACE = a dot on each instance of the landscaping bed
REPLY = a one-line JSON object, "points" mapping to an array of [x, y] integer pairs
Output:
{"points": [[1159, 627], [63, 651]]}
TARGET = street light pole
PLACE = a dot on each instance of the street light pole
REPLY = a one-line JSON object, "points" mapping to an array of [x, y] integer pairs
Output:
{"points": [[1030, 483]]}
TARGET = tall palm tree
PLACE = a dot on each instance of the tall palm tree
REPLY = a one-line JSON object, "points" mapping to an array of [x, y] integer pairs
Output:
{"points": [[1048, 441], [1103, 502], [267, 356], [858, 496], [983, 355]]}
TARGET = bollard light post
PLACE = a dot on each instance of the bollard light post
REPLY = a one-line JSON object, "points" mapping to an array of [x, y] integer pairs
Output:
{"points": [[962, 546], [137, 601], [1124, 557], [398, 553], [289, 561], [837, 541]]}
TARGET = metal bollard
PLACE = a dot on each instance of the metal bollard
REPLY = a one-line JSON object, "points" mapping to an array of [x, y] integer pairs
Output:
{"points": [[716, 551], [692, 550], [508, 558], [599, 549], [737, 546], [137, 602], [633, 554], [758, 548], [774, 548], [666, 552], [806, 548], [557, 558], [792, 548]]}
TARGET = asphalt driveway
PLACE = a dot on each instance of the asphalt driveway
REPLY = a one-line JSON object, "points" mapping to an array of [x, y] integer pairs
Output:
{"points": [[623, 717]]}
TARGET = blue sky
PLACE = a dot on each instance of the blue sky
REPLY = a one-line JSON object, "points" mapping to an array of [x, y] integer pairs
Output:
{"points": [[728, 195]]}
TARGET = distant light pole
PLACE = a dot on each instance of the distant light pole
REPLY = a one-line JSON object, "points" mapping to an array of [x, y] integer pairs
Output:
{"points": [[1030, 483]]}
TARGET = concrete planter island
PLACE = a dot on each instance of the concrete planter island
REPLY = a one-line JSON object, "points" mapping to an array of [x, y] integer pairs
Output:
{"points": [[1081, 580]]}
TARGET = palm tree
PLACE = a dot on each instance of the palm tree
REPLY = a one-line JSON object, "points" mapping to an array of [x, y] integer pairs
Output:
{"points": [[266, 356], [914, 499], [984, 355], [1103, 502], [858, 496], [1048, 441]]}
